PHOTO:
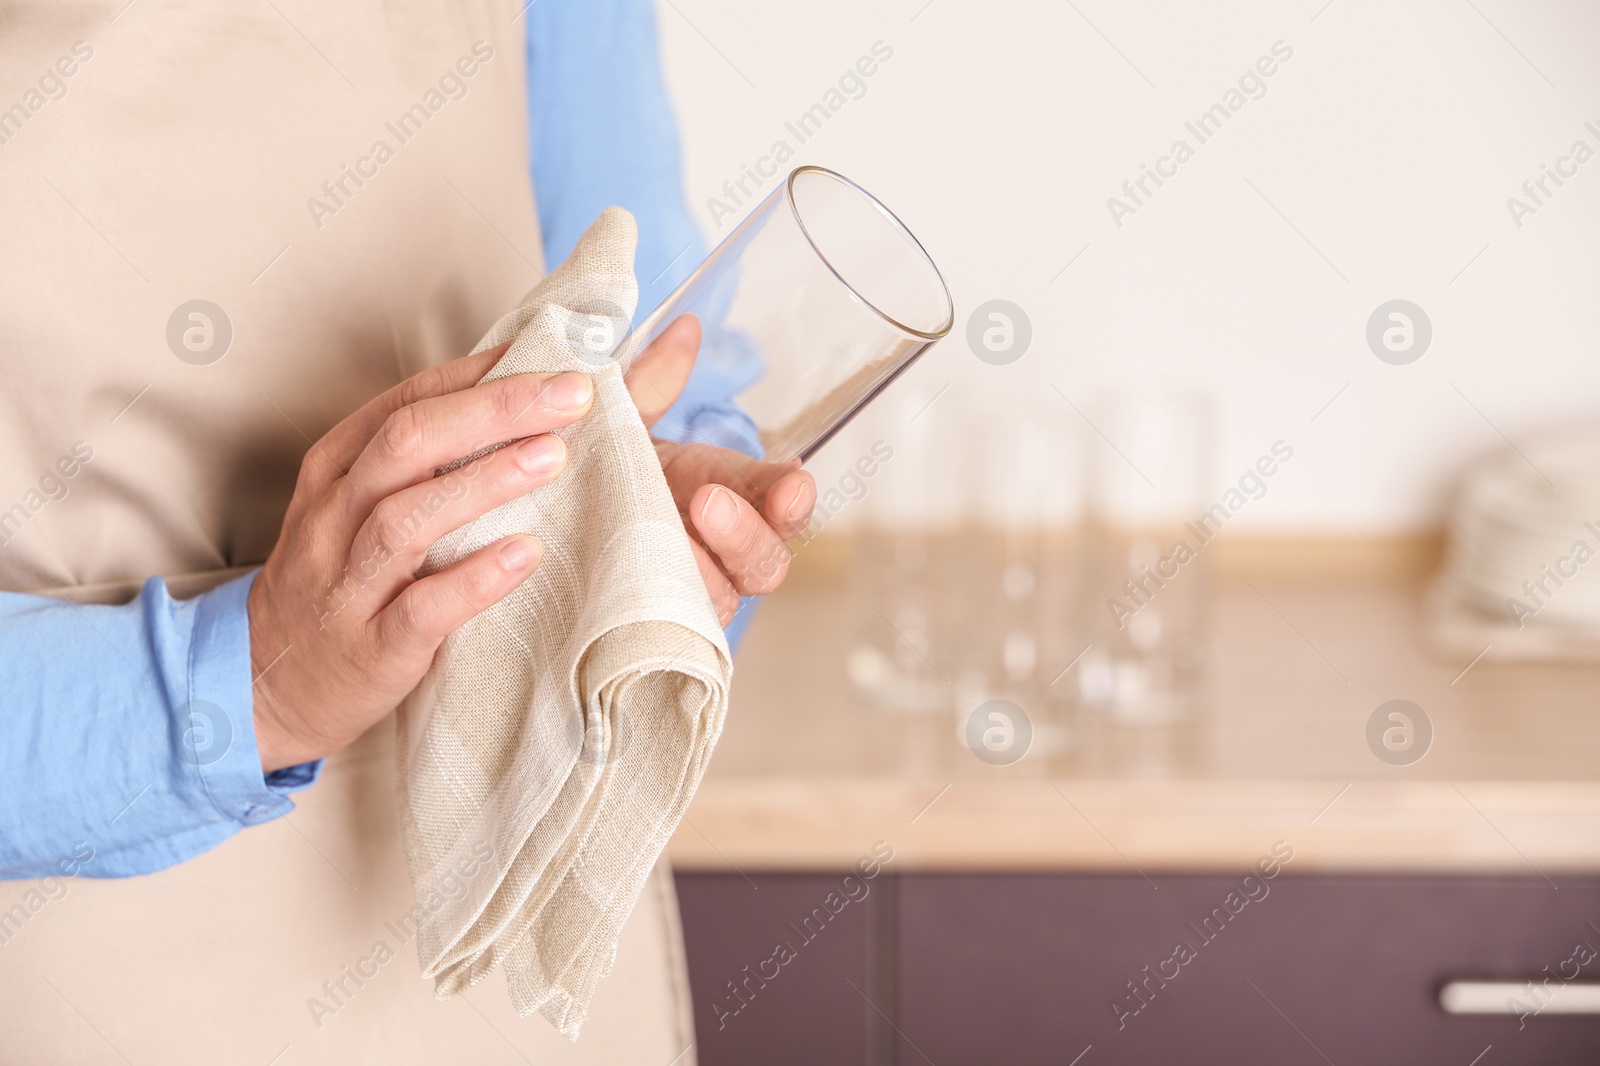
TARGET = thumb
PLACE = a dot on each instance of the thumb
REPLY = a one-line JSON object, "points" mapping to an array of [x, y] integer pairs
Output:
{"points": [[658, 375]]}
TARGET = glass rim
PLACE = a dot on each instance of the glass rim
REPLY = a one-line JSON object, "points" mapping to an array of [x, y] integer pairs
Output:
{"points": [[944, 288]]}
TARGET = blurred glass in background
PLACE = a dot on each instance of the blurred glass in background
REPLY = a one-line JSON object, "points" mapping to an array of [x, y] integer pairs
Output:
{"points": [[969, 562], [1022, 554], [906, 561], [1148, 600], [1057, 561]]}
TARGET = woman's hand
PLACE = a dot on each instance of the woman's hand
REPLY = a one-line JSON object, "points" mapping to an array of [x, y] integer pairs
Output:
{"points": [[738, 511], [340, 627]]}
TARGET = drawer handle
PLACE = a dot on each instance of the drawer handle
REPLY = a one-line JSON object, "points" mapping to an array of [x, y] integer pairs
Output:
{"points": [[1521, 998]]}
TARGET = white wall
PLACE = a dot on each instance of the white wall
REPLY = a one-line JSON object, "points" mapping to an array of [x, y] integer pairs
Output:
{"points": [[1391, 141]]}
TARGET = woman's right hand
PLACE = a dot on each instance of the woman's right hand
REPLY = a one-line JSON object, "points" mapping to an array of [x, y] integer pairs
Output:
{"points": [[340, 626]]}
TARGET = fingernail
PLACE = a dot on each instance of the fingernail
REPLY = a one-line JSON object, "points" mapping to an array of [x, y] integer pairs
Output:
{"points": [[518, 554], [567, 392], [720, 512], [804, 501], [538, 455]]}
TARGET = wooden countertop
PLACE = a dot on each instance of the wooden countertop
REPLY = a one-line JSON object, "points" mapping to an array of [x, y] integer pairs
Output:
{"points": [[806, 777]]}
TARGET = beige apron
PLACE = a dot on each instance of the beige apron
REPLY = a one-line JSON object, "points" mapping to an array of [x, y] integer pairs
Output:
{"points": [[349, 184]]}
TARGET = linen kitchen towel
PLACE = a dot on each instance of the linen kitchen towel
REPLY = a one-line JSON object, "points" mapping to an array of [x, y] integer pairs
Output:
{"points": [[555, 743]]}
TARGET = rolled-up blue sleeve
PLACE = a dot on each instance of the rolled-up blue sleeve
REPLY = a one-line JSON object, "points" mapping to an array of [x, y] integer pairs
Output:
{"points": [[127, 734]]}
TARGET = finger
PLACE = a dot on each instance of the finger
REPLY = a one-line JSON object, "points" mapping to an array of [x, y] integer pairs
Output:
{"points": [[418, 439], [689, 466], [436, 606], [337, 450], [658, 376], [723, 598], [391, 544], [751, 554], [788, 503]]}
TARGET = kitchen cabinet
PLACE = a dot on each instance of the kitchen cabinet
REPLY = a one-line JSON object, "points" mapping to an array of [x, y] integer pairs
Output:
{"points": [[1040, 968]]}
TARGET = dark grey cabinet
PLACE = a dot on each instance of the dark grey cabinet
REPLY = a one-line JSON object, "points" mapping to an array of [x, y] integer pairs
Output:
{"points": [[1044, 968], [751, 1006]]}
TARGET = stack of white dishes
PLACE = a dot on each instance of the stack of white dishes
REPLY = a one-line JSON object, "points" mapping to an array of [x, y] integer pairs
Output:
{"points": [[1522, 567]]}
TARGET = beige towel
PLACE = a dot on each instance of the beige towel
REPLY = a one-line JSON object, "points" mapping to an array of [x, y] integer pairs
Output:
{"points": [[555, 742]]}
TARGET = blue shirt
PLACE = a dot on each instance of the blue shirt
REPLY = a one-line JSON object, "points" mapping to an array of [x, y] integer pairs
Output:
{"points": [[112, 739]]}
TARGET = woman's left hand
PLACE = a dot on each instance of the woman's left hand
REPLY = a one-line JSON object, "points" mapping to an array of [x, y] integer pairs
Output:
{"points": [[738, 511]]}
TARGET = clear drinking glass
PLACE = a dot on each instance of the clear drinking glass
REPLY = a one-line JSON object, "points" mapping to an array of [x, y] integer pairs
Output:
{"points": [[907, 571], [1024, 547], [1149, 596], [825, 293]]}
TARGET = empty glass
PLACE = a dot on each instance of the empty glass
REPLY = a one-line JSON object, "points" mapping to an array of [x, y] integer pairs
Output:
{"points": [[813, 304], [1149, 598], [1024, 549], [907, 571]]}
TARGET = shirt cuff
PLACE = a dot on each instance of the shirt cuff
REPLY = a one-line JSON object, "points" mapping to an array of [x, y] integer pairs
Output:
{"points": [[217, 723]]}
